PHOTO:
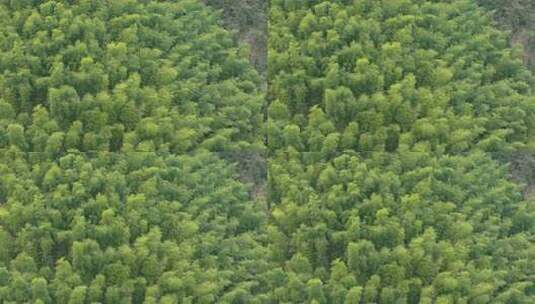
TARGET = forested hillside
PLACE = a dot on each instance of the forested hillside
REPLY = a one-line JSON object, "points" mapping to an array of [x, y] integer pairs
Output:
{"points": [[116, 122], [388, 124], [398, 137]]}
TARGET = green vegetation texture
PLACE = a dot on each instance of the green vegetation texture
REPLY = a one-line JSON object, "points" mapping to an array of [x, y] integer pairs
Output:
{"points": [[389, 122], [133, 137]]}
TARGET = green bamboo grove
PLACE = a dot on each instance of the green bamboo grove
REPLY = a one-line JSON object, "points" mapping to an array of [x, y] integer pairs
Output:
{"points": [[118, 120], [387, 124], [143, 160]]}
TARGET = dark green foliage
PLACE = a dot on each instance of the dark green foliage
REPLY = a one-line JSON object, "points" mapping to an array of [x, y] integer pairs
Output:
{"points": [[518, 17], [516, 14], [249, 19]]}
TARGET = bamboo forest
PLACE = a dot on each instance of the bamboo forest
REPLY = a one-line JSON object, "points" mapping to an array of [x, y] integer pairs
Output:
{"points": [[267, 151]]}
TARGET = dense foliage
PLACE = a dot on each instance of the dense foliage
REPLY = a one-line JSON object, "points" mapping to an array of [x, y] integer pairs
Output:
{"points": [[132, 135], [117, 119], [388, 122]]}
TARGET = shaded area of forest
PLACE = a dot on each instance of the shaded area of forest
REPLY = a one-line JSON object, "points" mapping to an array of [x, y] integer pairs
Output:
{"points": [[249, 19], [517, 17]]}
